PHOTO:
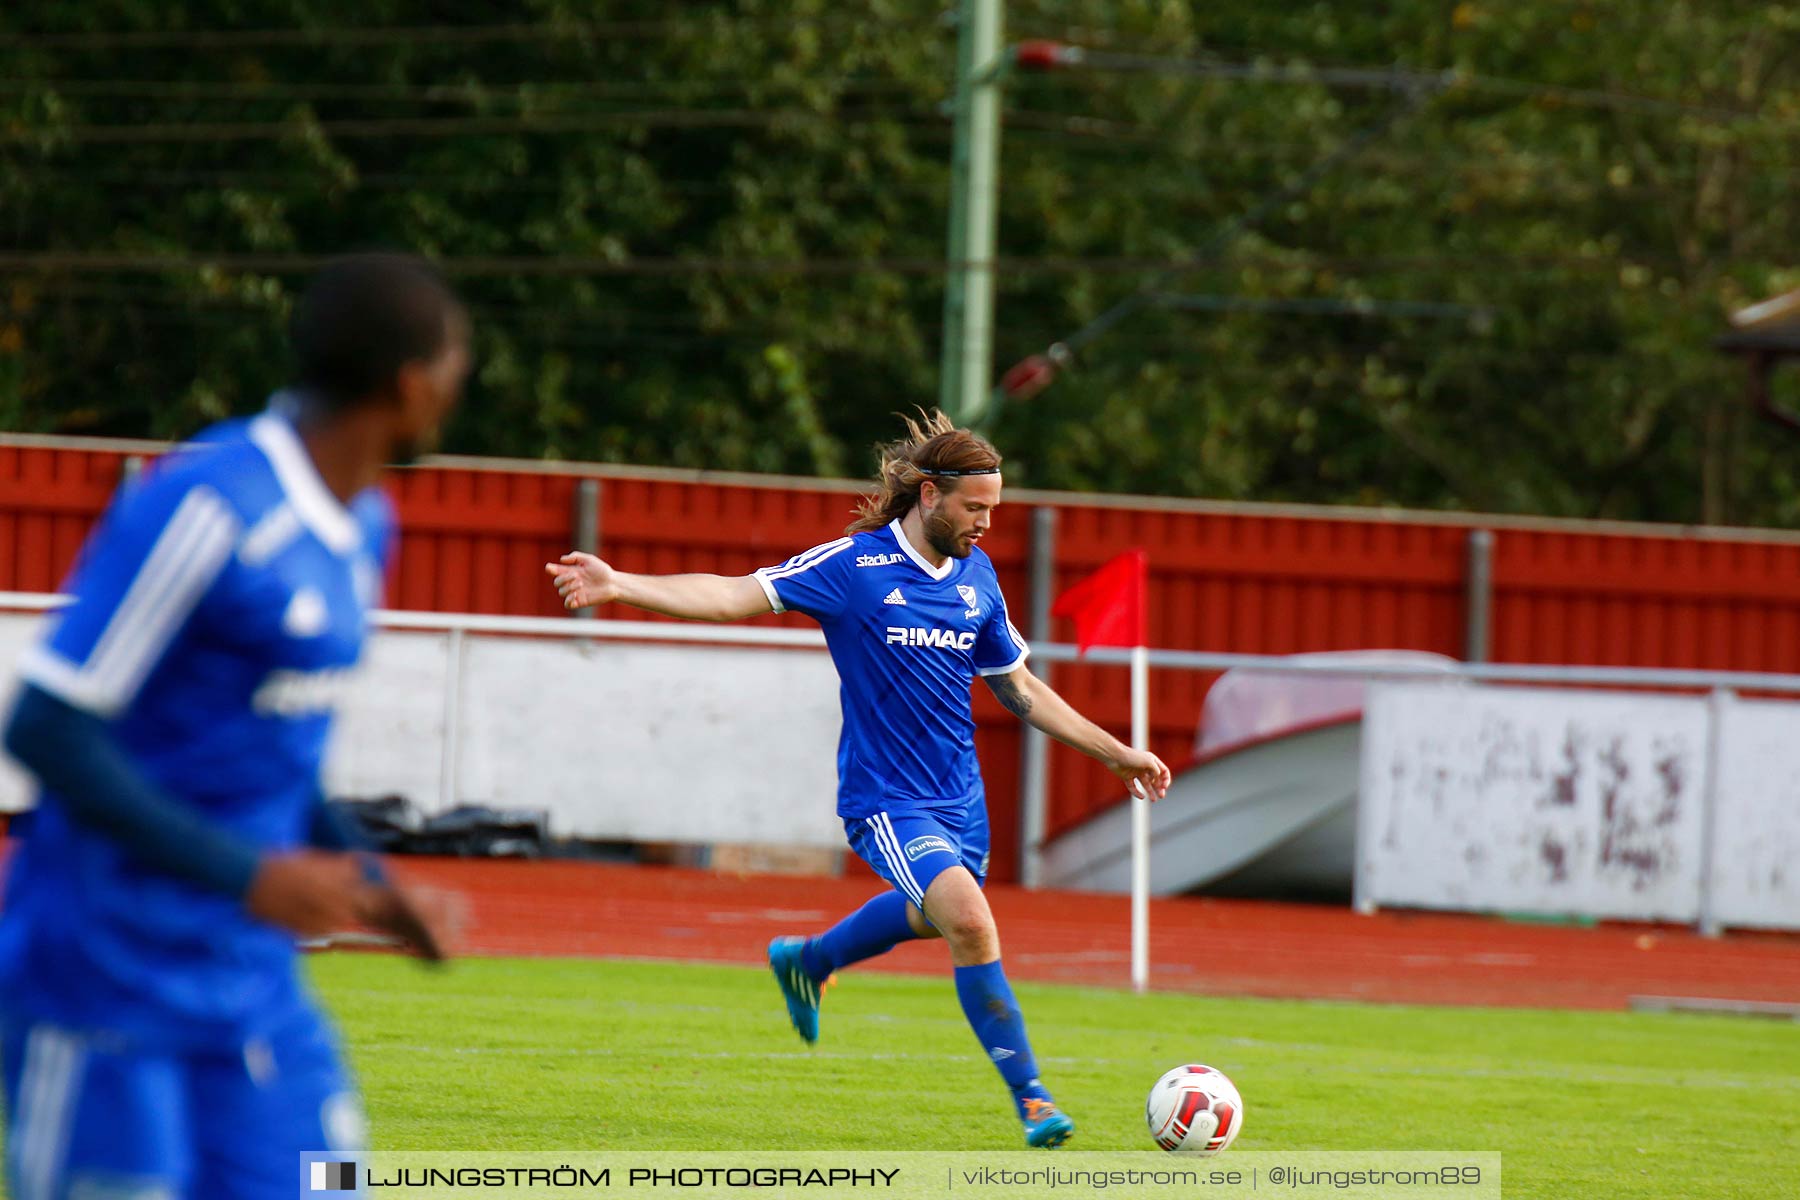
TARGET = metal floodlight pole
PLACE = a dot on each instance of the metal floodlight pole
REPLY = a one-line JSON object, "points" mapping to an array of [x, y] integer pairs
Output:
{"points": [[967, 365]]}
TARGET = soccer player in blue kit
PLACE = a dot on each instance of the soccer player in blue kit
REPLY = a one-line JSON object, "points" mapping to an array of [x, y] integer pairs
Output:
{"points": [[912, 614], [157, 1040]]}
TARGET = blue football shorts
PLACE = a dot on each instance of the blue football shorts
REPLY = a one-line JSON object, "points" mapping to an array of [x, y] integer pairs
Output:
{"points": [[910, 848], [88, 1115]]}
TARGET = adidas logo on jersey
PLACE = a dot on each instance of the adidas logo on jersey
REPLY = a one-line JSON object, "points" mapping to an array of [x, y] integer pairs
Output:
{"points": [[894, 597]]}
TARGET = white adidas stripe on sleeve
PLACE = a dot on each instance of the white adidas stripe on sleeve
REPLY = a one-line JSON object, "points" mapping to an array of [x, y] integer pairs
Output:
{"points": [[1018, 640], [188, 555], [806, 560]]}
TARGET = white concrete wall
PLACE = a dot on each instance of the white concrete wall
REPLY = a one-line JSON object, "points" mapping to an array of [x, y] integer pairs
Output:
{"points": [[1756, 832], [1608, 804], [17, 631], [1540, 800]]}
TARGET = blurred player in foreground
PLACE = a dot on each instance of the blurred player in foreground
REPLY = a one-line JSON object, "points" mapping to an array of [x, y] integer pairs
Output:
{"points": [[912, 613], [156, 1037]]}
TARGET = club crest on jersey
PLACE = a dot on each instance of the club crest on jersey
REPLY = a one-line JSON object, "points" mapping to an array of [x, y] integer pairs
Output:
{"points": [[942, 639], [970, 599], [929, 844], [306, 614], [877, 560]]}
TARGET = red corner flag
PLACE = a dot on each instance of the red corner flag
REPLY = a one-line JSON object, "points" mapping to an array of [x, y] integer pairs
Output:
{"points": [[1108, 606]]}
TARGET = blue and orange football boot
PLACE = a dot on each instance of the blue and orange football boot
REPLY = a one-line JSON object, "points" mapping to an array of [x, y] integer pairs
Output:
{"points": [[1046, 1126], [801, 991]]}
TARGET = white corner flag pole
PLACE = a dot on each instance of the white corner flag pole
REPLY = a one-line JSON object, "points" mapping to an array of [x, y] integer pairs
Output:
{"points": [[1140, 824]]}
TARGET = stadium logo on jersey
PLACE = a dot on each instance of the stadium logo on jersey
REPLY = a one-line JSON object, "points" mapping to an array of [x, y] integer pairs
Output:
{"points": [[877, 560], [303, 693], [942, 639], [306, 614], [970, 599], [893, 597], [930, 844]]}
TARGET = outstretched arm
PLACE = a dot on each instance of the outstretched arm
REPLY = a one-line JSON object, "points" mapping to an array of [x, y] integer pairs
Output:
{"points": [[1036, 703], [582, 579]]}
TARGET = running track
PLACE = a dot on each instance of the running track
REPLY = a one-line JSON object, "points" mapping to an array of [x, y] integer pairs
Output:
{"points": [[1219, 947]]}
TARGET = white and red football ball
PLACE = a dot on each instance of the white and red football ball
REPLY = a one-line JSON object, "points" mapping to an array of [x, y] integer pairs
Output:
{"points": [[1194, 1110]]}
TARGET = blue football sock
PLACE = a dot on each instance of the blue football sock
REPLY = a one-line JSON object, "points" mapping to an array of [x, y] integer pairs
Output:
{"points": [[875, 928], [987, 1001]]}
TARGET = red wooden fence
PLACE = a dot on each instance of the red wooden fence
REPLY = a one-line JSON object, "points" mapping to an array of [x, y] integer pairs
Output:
{"points": [[1243, 578]]}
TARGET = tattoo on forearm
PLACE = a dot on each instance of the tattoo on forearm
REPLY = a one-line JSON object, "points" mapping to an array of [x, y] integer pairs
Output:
{"points": [[1010, 694]]}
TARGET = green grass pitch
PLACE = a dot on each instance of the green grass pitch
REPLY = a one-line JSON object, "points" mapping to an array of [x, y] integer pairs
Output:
{"points": [[587, 1055]]}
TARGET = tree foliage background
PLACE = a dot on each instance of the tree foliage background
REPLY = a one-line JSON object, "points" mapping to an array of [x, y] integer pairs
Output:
{"points": [[711, 234]]}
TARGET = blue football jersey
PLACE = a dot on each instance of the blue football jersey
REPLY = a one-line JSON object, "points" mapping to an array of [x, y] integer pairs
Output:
{"points": [[217, 611], [908, 639]]}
